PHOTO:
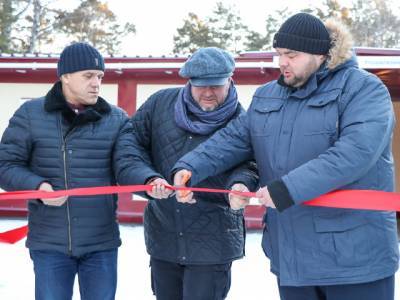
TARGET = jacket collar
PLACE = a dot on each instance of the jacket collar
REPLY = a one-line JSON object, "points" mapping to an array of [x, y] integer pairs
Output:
{"points": [[55, 101]]}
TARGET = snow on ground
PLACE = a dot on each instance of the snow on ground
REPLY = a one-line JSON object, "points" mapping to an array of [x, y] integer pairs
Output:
{"points": [[250, 276]]}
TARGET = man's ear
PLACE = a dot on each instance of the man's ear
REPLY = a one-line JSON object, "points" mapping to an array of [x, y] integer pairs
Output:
{"points": [[321, 59], [64, 78]]}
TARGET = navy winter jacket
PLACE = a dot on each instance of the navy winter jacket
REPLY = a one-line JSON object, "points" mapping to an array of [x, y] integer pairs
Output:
{"points": [[47, 141], [208, 232]]}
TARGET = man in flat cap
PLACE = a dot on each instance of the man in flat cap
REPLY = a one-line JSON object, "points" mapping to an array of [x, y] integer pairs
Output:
{"points": [[324, 125], [68, 139], [191, 246]]}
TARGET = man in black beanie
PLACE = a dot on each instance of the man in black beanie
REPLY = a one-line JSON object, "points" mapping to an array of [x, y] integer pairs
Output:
{"points": [[324, 125], [71, 138]]}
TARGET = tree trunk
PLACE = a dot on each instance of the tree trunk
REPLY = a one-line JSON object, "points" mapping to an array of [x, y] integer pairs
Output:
{"points": [[33, 40]]}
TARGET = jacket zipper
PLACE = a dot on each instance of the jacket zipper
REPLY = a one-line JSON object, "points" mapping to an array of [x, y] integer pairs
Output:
{"points": [[63, 149]]}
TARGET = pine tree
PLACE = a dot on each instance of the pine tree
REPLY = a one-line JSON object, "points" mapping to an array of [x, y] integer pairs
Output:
{"points": [[256, 41], [223, 29], [195, 33]]}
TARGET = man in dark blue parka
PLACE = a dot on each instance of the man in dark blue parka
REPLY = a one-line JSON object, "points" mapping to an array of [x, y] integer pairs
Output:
{"points": [[191, 246], [324, 125], [71, 138]]}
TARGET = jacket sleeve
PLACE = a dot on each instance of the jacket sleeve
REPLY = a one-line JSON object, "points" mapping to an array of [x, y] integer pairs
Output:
{"points": [[246, 173], [15, 149], [366, 126], [224, 150], [134, 165]]}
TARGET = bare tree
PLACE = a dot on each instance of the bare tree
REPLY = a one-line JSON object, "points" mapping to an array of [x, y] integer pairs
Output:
{"points": [[375, 24], [41, 23], [94, 22], [29, 25], [372, 22]]}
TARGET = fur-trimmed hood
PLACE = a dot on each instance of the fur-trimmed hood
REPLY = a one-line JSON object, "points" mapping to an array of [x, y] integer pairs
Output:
{"points": [[342, 43]]}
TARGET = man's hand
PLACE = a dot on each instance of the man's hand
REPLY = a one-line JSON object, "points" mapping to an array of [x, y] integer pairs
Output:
{"points": [[180, 179], [264, 198], [44, 186], [238, 202], [159, 190]]}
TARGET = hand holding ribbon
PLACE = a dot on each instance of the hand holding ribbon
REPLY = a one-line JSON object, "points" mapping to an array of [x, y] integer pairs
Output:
{"points": [[180, 179], [159, 188], [237, 201]]}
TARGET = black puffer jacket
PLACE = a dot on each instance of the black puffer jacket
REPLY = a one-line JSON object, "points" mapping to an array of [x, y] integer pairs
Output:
{"points": [[208, 232], [46, 141]]}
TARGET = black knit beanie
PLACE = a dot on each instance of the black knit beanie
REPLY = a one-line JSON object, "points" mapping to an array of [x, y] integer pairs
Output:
{"points": [[79, 57], [303, 32]]}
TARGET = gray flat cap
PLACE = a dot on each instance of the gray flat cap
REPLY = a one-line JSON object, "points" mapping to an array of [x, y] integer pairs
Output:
{"points": [[208, 67]]}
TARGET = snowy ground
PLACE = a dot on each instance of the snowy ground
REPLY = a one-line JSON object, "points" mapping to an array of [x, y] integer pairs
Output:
{"points": [[251, 273]]}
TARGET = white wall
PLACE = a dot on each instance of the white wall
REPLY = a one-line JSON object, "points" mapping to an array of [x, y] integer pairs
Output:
{"points": [[245, 92], [144, 91], [14, 94]]}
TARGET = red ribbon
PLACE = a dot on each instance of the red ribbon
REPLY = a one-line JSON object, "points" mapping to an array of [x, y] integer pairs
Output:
{"points": [[104, 190], [355, 199], [359, 199], [14, 235]]}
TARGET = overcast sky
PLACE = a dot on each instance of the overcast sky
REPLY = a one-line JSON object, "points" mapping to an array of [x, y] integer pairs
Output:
{"points": [[156, 21]]}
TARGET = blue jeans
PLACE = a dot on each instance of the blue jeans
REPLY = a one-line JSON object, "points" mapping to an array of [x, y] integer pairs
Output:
{"points": [[55, 274]]}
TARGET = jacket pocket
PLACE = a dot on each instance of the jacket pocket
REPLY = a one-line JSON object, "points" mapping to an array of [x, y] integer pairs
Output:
{"points": [[345, 238], [263, 114], [322, 114], [318, 126]]}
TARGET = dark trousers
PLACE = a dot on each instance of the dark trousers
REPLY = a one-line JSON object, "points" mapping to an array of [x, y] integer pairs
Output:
{"points": [[381, 289], [55, 274], [172, 281]]}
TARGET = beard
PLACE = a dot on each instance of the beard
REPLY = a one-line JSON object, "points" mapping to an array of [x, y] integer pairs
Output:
{"points": [[295, 81], [301, 77], [209, 108]]}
